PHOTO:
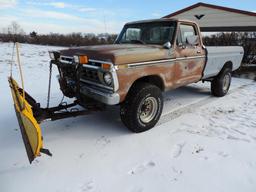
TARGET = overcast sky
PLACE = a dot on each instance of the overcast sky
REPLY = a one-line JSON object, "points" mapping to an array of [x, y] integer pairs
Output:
{"points": [[65, 16]]}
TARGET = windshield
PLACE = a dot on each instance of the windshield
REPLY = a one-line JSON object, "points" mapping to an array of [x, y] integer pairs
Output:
{"points": [[147, 33]]}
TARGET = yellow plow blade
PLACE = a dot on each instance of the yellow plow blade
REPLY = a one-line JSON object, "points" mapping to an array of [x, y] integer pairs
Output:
{"points": [[30, 129]]}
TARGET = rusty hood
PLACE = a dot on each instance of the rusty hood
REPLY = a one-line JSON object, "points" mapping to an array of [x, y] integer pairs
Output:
{"points": [[120, 53]]}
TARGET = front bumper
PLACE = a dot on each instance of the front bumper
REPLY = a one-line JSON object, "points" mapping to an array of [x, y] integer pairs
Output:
{"points": [[103, 97]]}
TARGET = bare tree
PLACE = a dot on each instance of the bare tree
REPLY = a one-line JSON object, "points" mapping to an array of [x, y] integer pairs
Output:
{"points": [[15, 29], [14, 32]]}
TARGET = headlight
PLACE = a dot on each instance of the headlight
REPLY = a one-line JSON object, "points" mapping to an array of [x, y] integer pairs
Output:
{"points": [[51, 55], [54, 55], [76, 58], [107, 78]]}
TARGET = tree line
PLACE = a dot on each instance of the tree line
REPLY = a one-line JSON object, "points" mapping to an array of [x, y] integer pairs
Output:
{"points": [[14, 33], [245, 39]]}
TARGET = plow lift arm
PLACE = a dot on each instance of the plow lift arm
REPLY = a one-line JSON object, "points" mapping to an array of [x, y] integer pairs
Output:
{"points": [[30, 114]]}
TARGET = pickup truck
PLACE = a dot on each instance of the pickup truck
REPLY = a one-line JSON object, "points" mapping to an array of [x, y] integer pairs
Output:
{"points": [[147, 58]]}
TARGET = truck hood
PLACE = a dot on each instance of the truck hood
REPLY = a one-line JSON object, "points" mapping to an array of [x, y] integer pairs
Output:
{"points": [[120, 53]]}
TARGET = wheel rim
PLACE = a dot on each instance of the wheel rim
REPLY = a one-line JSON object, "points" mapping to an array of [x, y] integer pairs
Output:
{"points": [[226, 82], [148, 109]]}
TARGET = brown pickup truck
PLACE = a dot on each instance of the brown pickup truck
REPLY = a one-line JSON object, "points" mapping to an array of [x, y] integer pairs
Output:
{"points": [[147, 58]]}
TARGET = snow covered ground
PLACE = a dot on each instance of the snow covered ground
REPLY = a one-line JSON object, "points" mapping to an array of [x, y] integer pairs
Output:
{"points": [[201, 143]]}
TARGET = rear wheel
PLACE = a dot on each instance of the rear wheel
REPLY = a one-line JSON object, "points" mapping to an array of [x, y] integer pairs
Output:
{"points": [[221, 83], [142, 107]]}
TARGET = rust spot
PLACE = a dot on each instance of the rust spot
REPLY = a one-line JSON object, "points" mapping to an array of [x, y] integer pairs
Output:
{"points": [[191, 65]]}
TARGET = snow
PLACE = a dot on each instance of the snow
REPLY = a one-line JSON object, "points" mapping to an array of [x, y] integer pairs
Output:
{"points": [[201, 143]]}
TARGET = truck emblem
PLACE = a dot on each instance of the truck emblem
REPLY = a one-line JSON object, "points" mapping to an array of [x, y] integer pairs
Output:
{"points": [[199, 16]]}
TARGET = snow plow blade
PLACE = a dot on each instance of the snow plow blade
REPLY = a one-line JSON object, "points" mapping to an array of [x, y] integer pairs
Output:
{"points": [[30, 115], [29, 126]]}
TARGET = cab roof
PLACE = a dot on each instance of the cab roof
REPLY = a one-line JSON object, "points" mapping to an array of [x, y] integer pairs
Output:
{"points": [[158, 20]]}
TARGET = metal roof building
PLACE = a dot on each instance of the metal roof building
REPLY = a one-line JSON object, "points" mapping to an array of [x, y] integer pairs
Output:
{"points": [[213, 18]]}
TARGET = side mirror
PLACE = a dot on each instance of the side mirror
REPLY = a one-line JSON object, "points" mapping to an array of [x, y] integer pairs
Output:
{"points": [[167, 45], [193, 40]]}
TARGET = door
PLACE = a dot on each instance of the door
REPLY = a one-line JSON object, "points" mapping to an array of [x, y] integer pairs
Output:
{"points": [[190, 58]]}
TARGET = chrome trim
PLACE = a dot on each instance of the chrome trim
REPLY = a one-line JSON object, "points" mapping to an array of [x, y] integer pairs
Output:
{"points": [[99, 61], [90, 66], [162, 61], [115, 79], [66, 57], [193, 57], [107, 98], [150, 62], [90, 60], [64, 61], [96, 84]]}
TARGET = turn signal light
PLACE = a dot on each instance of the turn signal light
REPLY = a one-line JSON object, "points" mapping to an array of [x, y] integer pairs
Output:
{"points": [[105, 66], [83, 59]]}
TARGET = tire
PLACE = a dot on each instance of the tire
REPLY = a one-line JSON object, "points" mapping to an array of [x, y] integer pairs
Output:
{"points": [[221, 83], [142, 108]]}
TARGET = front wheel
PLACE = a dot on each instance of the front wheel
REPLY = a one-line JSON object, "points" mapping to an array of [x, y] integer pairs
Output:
{"points": [[221, 83], [142, 107]]}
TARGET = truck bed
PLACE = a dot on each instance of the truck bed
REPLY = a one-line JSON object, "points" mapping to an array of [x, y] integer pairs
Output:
{"points": [[218, 56]]}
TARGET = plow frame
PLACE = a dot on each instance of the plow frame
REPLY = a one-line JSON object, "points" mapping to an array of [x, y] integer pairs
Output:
{"points": [[30, 114]]}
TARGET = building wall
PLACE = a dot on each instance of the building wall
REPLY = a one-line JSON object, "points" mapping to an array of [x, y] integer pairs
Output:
{"points": [[218, 18]]}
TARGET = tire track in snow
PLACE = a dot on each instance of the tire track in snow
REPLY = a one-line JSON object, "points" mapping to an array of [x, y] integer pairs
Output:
{"points": [[171, 115]]}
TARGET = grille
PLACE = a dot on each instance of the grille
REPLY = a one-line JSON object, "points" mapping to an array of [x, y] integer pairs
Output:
{"points": [[89, 71], [64, 59], [90, 75], [96, 64]]}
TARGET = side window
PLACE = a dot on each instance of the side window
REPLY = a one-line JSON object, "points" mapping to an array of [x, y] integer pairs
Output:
{"points": [[185, 31]]}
